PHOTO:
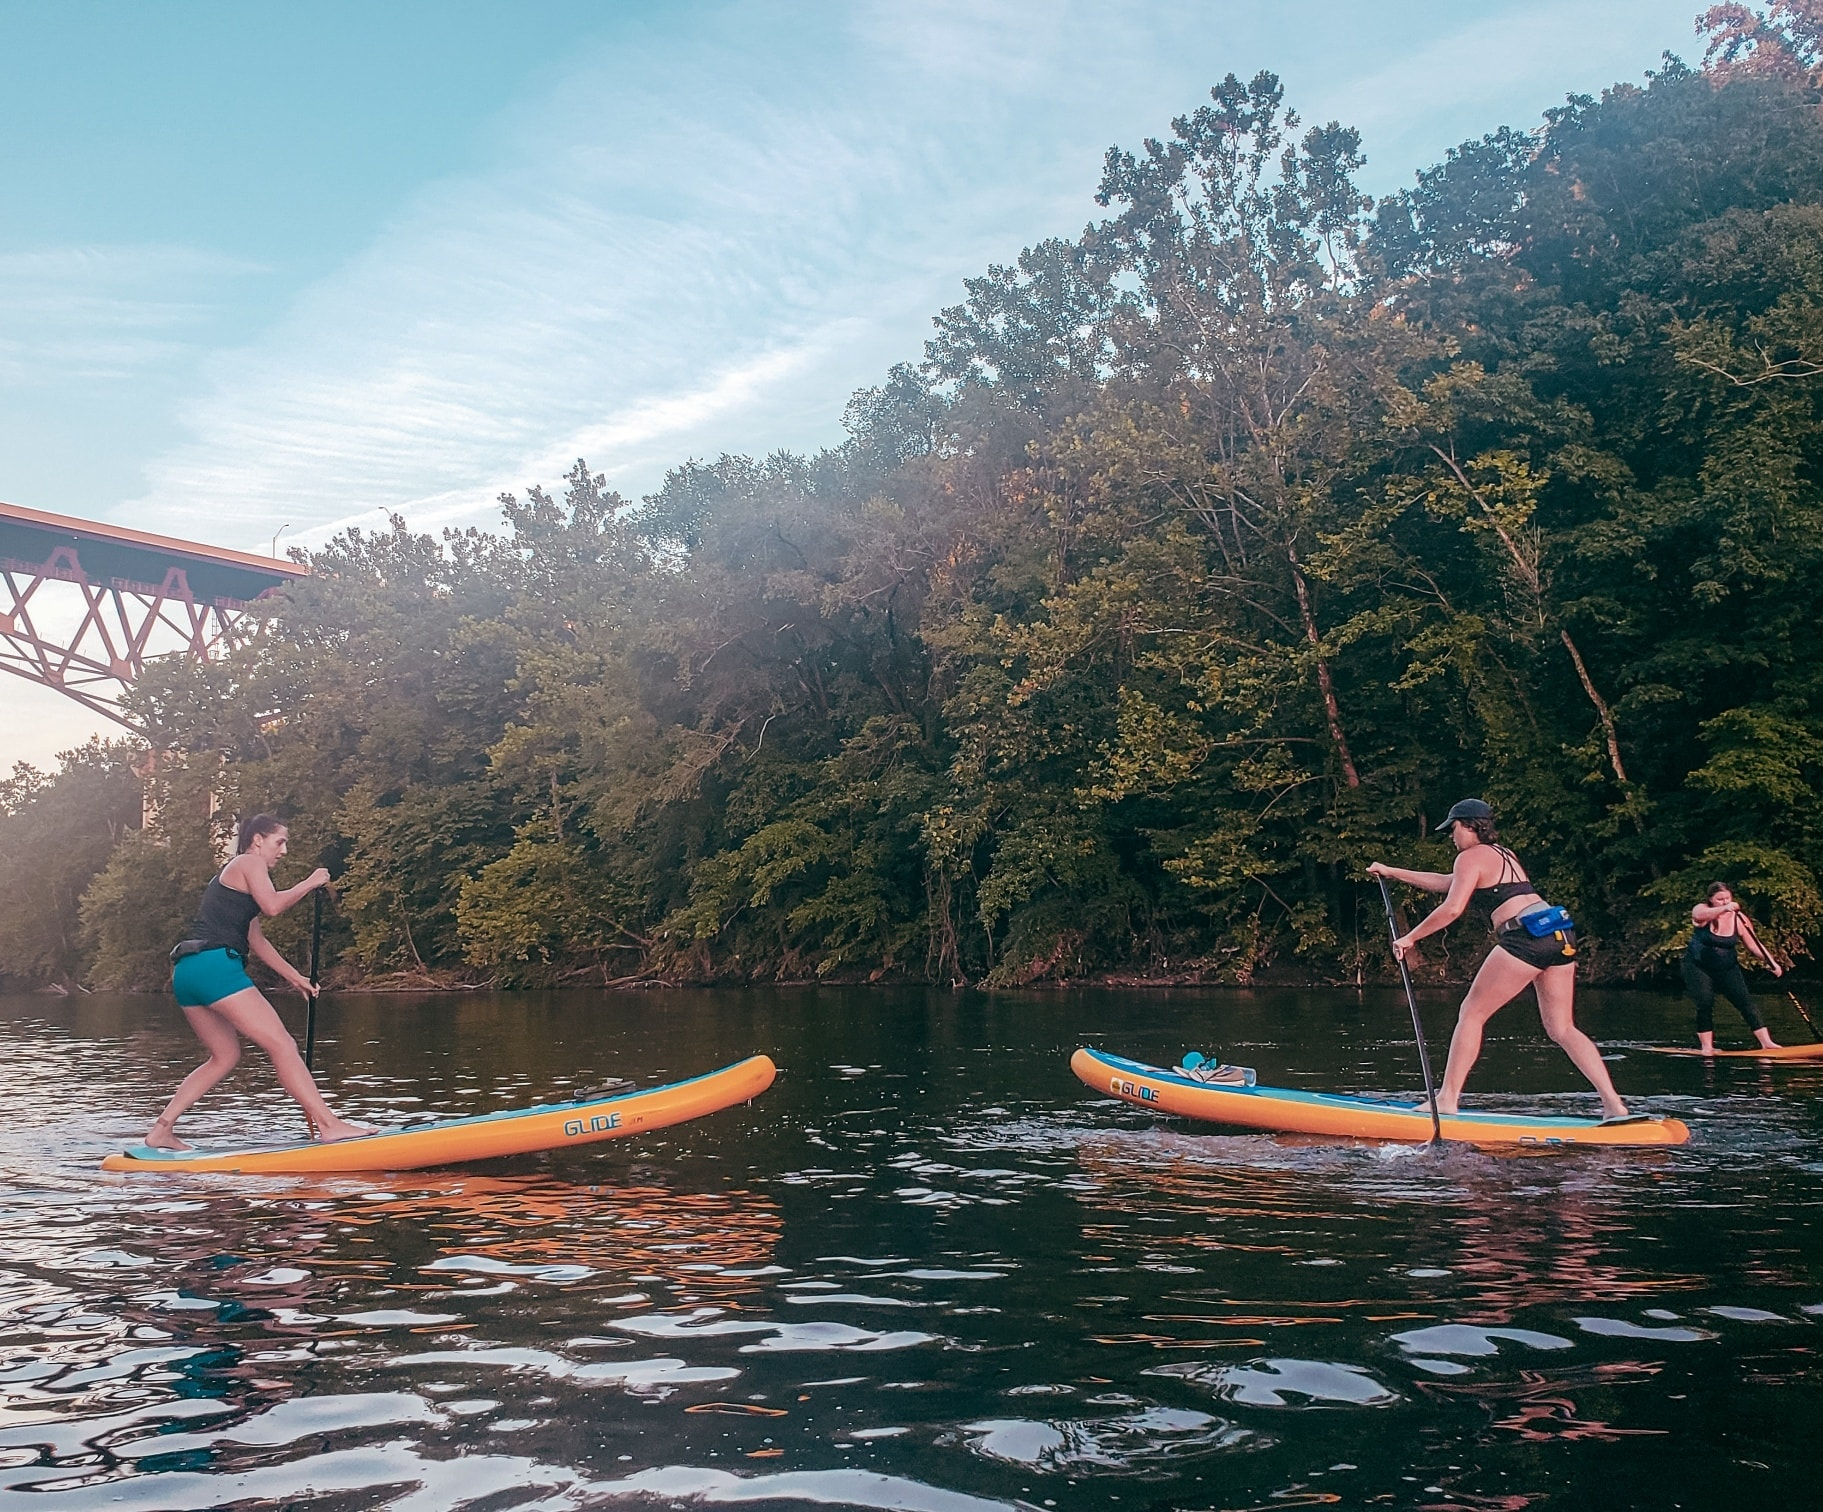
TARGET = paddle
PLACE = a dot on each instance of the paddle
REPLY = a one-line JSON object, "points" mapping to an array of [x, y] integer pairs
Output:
{"points": [[1411, 998], [1803, 1012], [316, 958]]}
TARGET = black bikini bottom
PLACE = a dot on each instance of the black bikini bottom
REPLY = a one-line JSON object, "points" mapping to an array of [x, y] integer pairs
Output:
{"points": [[1555, 949]]}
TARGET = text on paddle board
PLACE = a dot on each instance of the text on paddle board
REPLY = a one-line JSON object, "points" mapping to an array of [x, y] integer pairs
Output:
{"points": [[599, 1124]]}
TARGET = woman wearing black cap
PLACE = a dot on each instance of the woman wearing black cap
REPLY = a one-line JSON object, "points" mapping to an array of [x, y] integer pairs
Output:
{"points": [[1534, 946]]}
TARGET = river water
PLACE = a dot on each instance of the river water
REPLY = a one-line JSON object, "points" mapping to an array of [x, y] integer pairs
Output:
{"points": [[927, 1271]]}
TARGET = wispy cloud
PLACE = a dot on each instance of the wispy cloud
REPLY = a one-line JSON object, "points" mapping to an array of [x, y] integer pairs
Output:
{"points": [[705, 239], [102, 312], [633, 436], [636, 269], [1539, 51]]}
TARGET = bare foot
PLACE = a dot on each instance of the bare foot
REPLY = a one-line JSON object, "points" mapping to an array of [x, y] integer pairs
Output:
{"points": [[1616, 1109], [161, 1137], [338, 1129]]}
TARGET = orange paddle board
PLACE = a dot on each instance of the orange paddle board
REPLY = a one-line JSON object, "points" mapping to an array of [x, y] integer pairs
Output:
{"points": [[1782, 1053], [487, 1136]]}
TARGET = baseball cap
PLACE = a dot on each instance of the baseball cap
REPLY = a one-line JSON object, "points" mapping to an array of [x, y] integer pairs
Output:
{"points": [[1468, 808]]}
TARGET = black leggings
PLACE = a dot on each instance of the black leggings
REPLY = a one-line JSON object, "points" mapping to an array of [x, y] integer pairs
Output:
{"points": [[1718, 975]]}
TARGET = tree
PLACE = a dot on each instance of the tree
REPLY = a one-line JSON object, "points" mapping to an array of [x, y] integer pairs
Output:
{"points": [[56, 832]]}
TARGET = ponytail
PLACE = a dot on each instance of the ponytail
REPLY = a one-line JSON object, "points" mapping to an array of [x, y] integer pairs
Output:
{"points": [[251, 829]]}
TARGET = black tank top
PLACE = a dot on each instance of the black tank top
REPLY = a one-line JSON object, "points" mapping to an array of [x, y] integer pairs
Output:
{"points": [[223, 917], [1505, 890], [1708, 947]]}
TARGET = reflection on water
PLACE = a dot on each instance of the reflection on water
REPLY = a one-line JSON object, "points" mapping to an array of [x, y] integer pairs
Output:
{"points": [[926, 1271]]}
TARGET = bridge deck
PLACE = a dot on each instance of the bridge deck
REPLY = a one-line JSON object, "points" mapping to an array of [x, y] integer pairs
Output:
{"points": [[136, 560]]}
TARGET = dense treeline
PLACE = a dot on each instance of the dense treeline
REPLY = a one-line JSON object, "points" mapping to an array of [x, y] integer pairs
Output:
{"points": [[1204, 558], [56, 832]]}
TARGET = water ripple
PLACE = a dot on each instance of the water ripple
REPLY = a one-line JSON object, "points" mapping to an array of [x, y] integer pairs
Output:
{"points": [[1117, 1310]]}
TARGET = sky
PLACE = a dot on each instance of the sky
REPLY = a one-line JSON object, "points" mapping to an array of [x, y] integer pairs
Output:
{"points": [[270, 270]]}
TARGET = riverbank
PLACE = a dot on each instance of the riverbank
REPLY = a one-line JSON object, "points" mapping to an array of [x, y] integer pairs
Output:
{"points": [[1443, 975]]}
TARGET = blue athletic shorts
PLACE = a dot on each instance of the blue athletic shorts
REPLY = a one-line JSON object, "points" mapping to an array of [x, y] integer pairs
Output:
{"points": [[208, 977]]}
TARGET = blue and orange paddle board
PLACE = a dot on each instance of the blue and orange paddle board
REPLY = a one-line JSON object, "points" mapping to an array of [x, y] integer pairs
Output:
{"points": [[1286, 1111]]}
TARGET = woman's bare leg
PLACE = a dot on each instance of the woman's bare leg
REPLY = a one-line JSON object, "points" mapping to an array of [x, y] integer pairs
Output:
{"points": [[252, 1016], [224, 1047], [1501, 979], [1556, 1006]]}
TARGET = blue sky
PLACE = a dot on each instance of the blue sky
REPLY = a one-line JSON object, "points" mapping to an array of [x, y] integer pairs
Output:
{"points": [[273, 265]]}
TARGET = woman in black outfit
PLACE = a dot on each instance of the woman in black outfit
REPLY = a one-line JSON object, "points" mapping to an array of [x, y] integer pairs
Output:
{"points": [[209, 975], [1489, 875], [1711, 965]]}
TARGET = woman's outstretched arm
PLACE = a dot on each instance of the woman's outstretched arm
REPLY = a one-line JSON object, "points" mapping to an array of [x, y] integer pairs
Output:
{"points": [[1461, 887], [1437, 882]]}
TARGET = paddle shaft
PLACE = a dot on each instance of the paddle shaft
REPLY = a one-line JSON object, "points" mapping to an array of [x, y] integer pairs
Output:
{"points": [[1411, 998], [1803, 1012], [316, 959]]}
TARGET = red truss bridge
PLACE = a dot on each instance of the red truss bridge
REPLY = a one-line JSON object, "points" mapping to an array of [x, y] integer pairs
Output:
{"points": [[86, 605]]}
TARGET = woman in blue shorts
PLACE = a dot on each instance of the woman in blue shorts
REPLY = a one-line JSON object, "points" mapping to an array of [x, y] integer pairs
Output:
{"points": [[1488, 875], [219, 998]]}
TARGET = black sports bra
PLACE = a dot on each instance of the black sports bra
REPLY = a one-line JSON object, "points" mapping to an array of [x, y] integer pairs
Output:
{"points": [[1505, 890]]}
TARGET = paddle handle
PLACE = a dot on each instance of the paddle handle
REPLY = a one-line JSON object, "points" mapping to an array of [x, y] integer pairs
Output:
{"points": [[1411, 999]]}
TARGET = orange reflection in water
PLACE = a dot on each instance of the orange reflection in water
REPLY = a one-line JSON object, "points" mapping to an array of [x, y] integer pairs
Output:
{"points": [[1562, 1242], [1541, 1409], [309, 1251], [1563, 1245], [326, 1231], [686, 1239]]}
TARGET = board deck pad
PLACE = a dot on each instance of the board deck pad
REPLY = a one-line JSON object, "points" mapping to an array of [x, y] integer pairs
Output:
{"points": [[484, 1136], [1284, 1110]]}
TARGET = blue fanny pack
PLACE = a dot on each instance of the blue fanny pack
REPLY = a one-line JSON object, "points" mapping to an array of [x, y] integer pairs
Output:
{"points": [[1541, 922]]}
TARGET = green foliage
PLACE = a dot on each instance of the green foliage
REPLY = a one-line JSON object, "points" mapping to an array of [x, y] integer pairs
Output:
{"points": [[144, 898], [1206, 557], [57, 831]]}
